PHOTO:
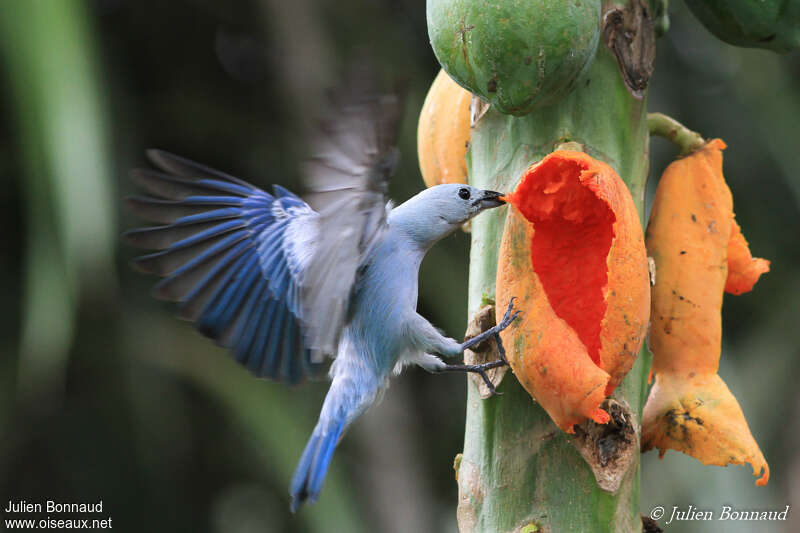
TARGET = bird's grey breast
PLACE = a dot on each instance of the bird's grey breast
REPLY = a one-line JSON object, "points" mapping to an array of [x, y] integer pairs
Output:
{"points": [[389, 274], [385, 297]]}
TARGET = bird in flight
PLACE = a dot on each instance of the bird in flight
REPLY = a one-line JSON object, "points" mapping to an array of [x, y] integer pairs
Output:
{"points": [[287, 283]]}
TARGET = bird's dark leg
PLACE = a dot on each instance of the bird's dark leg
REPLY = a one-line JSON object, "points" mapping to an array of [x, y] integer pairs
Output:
{"points": [[481, 369], [501, 350], [478, 369], [508, 318]]}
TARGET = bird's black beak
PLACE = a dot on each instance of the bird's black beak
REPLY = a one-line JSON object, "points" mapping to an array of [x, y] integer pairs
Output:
{"points": [[490, 199]]}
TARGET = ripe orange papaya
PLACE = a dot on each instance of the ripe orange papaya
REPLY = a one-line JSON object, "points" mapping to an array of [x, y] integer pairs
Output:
{"points": [[699, 253], [573, 252], [443, 132], [743, 269]]}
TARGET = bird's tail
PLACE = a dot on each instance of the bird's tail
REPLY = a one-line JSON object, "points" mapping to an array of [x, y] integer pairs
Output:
{"points": [[353, 389], [313, 466]]}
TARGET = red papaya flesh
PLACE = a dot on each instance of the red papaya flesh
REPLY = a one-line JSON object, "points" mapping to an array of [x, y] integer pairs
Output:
{"points": [[573, 255]]}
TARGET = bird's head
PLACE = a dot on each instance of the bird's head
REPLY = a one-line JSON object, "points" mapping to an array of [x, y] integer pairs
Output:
{"points": [[439, 210]]}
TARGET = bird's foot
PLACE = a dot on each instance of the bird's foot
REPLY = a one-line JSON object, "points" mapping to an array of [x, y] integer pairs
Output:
{"points": [[478, 369], [501, 350], [509, 317]]}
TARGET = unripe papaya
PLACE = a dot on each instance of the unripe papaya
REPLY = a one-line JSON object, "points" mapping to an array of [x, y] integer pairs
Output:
{"points": [[519, 56], [443, 132], [770, 24]]}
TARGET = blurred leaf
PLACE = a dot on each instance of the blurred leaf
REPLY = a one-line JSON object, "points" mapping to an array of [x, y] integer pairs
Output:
{"points": [[49, 55], [266, 412]]}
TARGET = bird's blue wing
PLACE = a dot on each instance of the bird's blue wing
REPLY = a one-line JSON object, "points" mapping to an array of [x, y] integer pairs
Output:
{"points": [[265, 274], [232, 255], [347, 179]]}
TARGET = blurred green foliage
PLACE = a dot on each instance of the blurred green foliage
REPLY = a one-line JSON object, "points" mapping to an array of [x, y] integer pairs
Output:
{"points": [[104, 395]]}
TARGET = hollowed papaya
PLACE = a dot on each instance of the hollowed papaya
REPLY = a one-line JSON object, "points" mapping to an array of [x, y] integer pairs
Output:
{"points": [[573, 253]]}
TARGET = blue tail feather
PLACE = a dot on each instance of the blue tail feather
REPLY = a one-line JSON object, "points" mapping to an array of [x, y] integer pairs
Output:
{"points": [[313, 466]]}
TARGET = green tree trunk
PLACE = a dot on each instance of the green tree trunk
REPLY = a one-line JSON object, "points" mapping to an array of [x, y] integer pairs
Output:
{"points": [[518, 472]]}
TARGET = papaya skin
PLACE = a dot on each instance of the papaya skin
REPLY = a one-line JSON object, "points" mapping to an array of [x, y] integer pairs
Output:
{"points": [[573, 252], [698, 415], [699, 253], [687, 236], [545, 354], [443, 132], [518, 56], [770, 24], [743, 269]]}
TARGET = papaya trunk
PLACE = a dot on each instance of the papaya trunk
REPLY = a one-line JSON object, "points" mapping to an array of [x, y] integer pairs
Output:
{"points": [[518, 472]]}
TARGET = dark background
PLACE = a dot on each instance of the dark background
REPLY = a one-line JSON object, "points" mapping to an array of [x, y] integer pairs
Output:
{"points": [[104, 395]]}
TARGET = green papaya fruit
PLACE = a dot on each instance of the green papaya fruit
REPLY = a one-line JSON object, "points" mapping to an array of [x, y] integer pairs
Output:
{"points": [[770, 24], [519, 55]]}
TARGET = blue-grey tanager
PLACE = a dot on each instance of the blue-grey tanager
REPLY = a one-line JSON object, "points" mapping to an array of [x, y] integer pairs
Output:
{"points": [[285, 285]]}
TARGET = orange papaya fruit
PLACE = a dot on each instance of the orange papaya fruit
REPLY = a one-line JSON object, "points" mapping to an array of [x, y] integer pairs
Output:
{"points": [[743, 269], [699, 253], [443, 132], [573, 252]]}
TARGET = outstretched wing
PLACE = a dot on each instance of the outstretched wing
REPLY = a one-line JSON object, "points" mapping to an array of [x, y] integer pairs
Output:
{"points": [[232, 255], [265, 274], [347, 179]]}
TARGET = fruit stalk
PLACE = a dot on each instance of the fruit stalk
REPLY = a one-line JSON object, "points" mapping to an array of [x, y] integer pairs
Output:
{"points": [[665, 126]]}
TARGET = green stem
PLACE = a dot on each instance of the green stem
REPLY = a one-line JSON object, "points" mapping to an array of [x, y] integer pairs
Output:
{"points": [[661, 17], [518, 470], [672, 130]]}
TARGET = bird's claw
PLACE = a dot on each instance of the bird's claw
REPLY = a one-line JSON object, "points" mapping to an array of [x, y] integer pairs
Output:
{"points": [[489, 384], [477, 369], [508, 317], [501, 350]]}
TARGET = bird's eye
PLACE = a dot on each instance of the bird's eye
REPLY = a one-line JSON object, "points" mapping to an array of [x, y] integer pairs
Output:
{"points": [[463, 193]]}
